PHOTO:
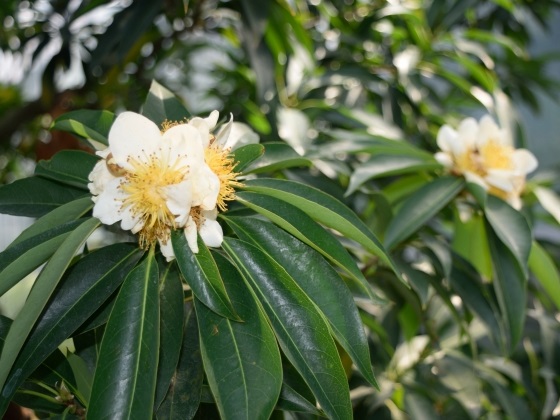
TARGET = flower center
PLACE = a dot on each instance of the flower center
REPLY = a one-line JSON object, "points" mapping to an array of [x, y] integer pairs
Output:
{"points": [[219, 161], [492, 155], [146, 196]]}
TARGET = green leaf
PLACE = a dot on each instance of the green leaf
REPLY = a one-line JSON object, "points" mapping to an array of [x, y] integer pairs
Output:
{"points": [[87, 123], [171, 328], [291, 400], [161, 105], [303, 227], [546, 272], [511, 227], [510, 284], [85, 286], [384, 164], [183, 398], [18, 261], [420, 207], [319, 281], [35, 196], [300, 329], [65, 213], [466, 282], [241, 359], [277, 156], [202, 275], [125, 379], [36, 301], [245, 155], [323, 208], [70, 167]]}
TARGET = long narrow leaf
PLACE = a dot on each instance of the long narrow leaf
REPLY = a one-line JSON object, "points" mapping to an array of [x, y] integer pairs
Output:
{"points": [[300, 329], [125, 379]]}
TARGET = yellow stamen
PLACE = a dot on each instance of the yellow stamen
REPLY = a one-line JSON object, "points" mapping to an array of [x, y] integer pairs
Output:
{"points": [[144, 186], [167, 124], [219, 161]]}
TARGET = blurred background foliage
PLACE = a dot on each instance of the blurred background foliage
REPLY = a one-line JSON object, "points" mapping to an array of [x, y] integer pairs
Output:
{"points": [[332, 79]]}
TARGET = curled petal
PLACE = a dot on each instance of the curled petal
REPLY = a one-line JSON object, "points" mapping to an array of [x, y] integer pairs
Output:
{"points": [[524, 161], [223, 136], [167, 250], [99, 177], [204, 125], [210, 231], [240, 135], [133, 135], [191, 235]]}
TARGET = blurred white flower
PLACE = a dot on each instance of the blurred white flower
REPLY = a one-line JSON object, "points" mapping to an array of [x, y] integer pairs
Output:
{"points": [[483, 153], [154, 180]]}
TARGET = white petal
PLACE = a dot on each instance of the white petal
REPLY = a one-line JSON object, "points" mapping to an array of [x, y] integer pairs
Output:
{"points": [[204, 125], [131, 222], [167, 250], [211, 233], [99, 177], [206, 186], [241, 135], [475, 179], [549, 200], [103, 153], [212, 119], [183, 141], [500, 178], [514, 201], [524, 161], [179, 198], [467, 131], [191, 235], [449, 141], [489, 130], [445, 159], [224, 134], [108, 204], [133, 135]]}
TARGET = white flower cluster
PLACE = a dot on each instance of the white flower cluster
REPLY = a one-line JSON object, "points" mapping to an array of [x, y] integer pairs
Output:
{"points": [[153, 181], [484, 154]]}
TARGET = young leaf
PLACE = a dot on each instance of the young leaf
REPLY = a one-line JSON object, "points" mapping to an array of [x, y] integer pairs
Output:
{"points": [[202, 274], [317, 279], [125, 379], [183, 397], [171, 328], [36, 301], [70, 167], [161, 104], [300, 329], [86, 123], [241, 359], [420, 207], [35, 196], [85, 286], [305, 229], [546, 272]]}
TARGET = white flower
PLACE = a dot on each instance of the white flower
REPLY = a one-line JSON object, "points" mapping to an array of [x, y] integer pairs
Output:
{"points": [[153, 181], [483, 153]]}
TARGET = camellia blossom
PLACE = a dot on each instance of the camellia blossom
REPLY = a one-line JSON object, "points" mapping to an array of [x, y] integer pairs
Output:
{"points": [[484, 154], [153, 180]]}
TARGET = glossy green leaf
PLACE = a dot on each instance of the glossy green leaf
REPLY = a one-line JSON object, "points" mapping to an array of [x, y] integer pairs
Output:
{"points": [[319, 281], [183, 398], [65, 213], [543, 267], [420, 207], [323, 208], [511, 227], [241, 359], [202, 275], [291, 400], [303, 227], [36, 301], [125, 379], [300, 329], [20, 260], [510, 285], [90, 124], [277, 156], [70, 167], [466, 282], [35, 196], [245, 155], [384, 164], [161, 105], [85, 286], [171, 328]]}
